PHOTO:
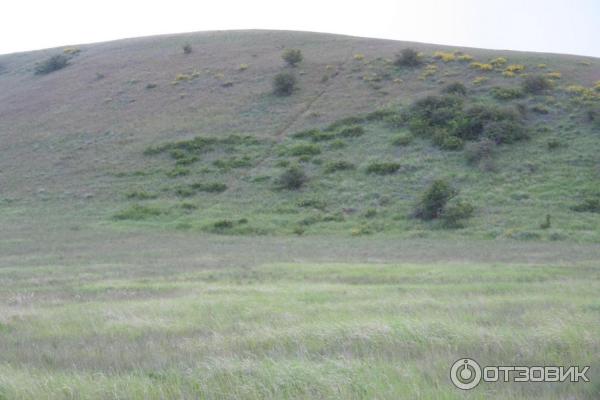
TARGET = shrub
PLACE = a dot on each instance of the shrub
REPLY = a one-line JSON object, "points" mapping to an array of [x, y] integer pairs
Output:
{"points": [[434, 200], [553, 143], [140, 195], [554, 75], [212, 187], [339, 165], [481, 67], [547, 223], [352, 131], [507, 93], [446, 141], [515, 68], [304, 150], [481, 150], [383, 168], [292, 178], [223, 224], [284, 84], [137, 213], [187, 48], [464, 58], [480, 80], [408, 58], [498, 62], [445, 57], [403, 140], [292, 56], [177, 171], [312, 203], [536, 84], [456, 88], [588, 205], [52, 64], [314, 135], [455, 212]]}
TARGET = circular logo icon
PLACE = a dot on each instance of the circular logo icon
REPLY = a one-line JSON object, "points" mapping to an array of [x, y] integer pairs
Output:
{"points": [[465, 374]]}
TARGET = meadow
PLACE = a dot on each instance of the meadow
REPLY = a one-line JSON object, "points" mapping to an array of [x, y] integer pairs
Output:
{"points": [[160, 316]]}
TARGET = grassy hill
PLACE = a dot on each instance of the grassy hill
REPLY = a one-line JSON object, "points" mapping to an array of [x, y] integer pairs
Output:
{"points": [[140, 134]]}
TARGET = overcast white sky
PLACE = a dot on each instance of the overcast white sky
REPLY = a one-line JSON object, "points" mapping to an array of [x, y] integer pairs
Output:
{"points": [[560, 26]]}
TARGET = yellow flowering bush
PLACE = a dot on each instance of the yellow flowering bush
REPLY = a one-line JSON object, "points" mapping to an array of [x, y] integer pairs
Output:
{"points": [[481, 66], [542, 66], [71, 50], [465, 58], [359, 56], [243, 67], [516, 68], [554, 75], [498, 62], [480, 80], [508, 74], [445, 57]]}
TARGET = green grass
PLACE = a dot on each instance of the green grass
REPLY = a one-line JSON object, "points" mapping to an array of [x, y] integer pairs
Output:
{"points": [[290, 331]]}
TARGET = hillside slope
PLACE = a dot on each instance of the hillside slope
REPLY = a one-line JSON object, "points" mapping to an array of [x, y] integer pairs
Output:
{"points": [[74, 143]]}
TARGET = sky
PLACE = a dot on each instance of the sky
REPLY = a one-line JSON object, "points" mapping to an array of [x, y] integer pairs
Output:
{"points": [[557, 26]]}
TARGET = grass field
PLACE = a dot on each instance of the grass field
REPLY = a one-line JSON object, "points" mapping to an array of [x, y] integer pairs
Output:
{"points": [[148, 316]]}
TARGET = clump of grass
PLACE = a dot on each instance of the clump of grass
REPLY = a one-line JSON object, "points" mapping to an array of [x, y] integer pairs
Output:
{"points": [[382, 168], [177, 172], [339, 165], [137, 213], [284, 84], [232, 163], [403, 139], [292, 57], [314, 135], [140, 195], [591, 204], [52, 64], [210, 187], [312, 203], [351, 131], [482, 150], [408, 58], [187, 48], [498, 62], [553, 143], [307, 149]]}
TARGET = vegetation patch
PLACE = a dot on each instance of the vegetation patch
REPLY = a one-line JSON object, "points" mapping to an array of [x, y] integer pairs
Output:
{"points": [[382, 168], [138, 212], [52, 64]]}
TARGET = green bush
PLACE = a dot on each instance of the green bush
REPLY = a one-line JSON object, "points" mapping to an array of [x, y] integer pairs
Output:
{"points": [[403, 140], [137, 213], [434, 200], [352, 131], [383, 168], [588, 205], [177, 171], [292, 178], [483, 149], [292, 56], [312, 203], [455, 213], [434, 111], [408, 58], [507, 93], [211, 187], [553, 143], [223, 224], [314, 135], [303, 150], [456, 88], [187, 48], [339, 165], [536, 84], [140, 195], [52, 64], [446, 141], [284, 84]]}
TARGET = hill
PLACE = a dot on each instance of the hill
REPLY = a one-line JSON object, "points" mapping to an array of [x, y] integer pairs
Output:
{"points": [[139, 133]]}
